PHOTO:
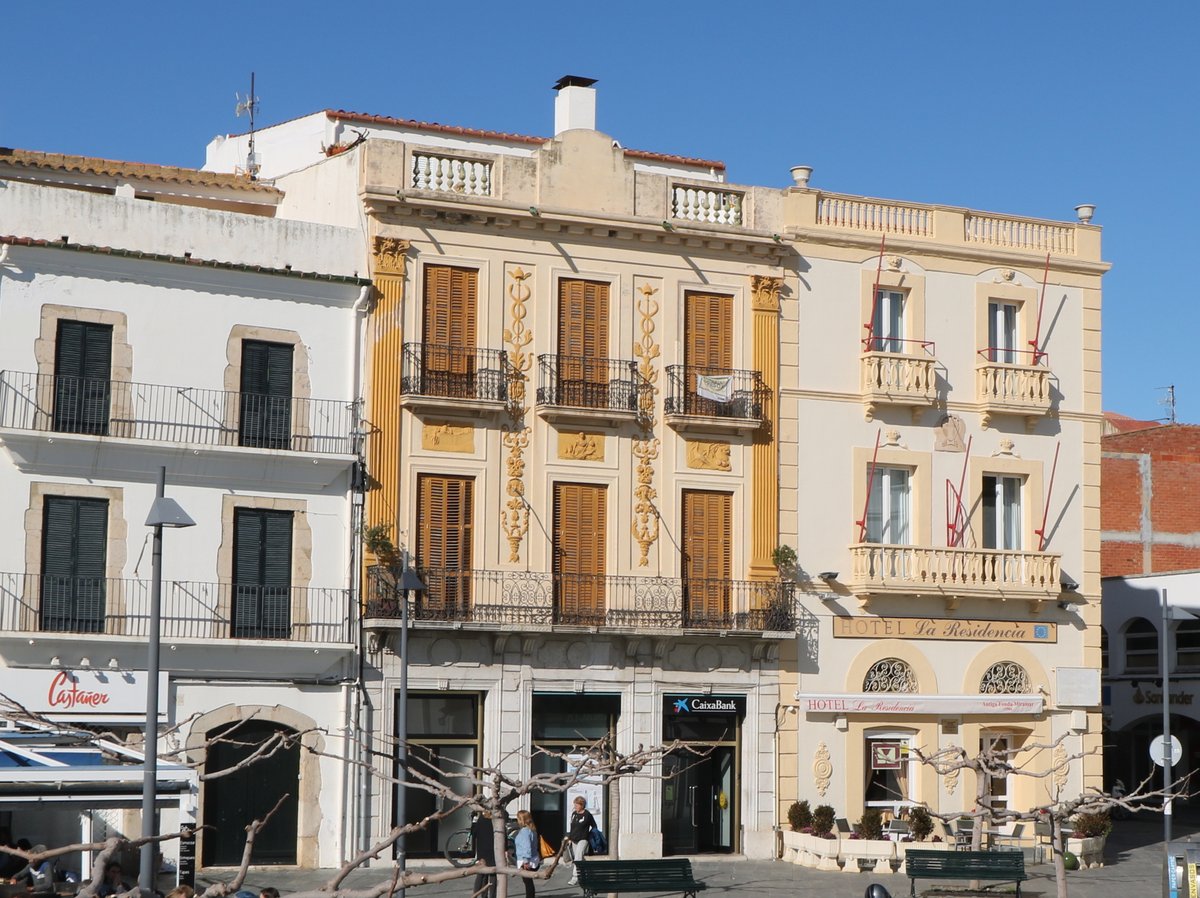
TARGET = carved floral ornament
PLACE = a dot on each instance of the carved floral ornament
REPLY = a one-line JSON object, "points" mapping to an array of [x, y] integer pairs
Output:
{"points": [[764, 292], [644, 526], [822, 769], [391, 255], [514, 518]]}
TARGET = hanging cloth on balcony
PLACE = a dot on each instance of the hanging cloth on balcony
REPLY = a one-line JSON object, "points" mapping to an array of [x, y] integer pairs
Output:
{"points": [[717, 387]]}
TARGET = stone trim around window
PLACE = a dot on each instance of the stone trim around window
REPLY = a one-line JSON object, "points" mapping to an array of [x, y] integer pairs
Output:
{"points": [[302, 544], [921, 486], [301, 379]]}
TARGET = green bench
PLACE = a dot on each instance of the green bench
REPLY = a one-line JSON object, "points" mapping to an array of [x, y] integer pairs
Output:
{"points": [[665, 875], [998, 866]]}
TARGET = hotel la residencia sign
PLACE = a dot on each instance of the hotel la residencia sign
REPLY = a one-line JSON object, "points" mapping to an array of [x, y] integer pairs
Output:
{"points": [[955, 629]]}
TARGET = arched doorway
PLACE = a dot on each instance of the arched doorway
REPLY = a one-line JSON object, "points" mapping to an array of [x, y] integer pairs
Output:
{"points": [[1129, 759], [231, 802]]}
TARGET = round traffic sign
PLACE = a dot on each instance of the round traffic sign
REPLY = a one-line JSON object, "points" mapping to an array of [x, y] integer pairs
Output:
{"points": [[1156, 751]]}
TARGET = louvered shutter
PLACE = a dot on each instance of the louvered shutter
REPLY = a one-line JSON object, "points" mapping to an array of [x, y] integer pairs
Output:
{"points": [[448, 327], [74, 546], [580, 516], [707, 546], [266, 394], [709, 331], [583, 343], [262, 573], [82, 369], [444, 540]]}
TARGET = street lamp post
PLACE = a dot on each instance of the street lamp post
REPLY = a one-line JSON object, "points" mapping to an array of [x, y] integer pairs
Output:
{"points": [[409, 582], [163, 513]]}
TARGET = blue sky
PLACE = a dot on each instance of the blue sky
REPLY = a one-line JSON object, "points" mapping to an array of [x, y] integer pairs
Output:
{"points": [[1021, 107]]}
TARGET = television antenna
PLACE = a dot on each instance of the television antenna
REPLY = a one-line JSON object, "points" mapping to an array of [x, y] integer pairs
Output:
{"points": [[1169, 402], [248, 105]]}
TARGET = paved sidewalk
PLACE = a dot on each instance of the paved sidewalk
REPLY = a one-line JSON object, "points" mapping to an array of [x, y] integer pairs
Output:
{"points": [[1132, 870]]}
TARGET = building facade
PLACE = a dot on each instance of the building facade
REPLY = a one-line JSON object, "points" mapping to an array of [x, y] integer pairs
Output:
{"points": [[153, 317]]}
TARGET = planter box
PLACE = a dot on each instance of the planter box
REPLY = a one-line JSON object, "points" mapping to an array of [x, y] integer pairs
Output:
{"points": [[877, 853], [823, 853], [1090, 851], [794, 846]]}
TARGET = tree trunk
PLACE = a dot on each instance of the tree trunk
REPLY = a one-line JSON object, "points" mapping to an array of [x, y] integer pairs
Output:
{"points": [[1060, 867], [500, 846]]}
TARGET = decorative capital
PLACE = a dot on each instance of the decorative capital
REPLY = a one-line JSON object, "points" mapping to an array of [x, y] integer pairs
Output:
{"points": [[764, 291], [391, 255]]}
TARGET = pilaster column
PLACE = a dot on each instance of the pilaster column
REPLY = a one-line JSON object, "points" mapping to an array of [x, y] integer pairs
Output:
{"points": [[764, 465]]}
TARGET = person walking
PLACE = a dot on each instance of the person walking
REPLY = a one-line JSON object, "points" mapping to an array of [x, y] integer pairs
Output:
{"points": [[526, 842], [581, 825], [485, 850]]}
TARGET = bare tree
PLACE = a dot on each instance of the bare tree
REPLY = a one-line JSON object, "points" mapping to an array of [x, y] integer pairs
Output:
{"points": [[997, 762]]}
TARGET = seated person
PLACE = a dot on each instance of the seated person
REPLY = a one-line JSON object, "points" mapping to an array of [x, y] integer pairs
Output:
{"points": [[11, 863], [113, 883], [38, 877]]}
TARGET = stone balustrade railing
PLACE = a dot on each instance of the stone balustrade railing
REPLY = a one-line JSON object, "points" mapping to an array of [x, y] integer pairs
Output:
{"points": [[450, 175], [1013, 389], [1020, 233], [878, 569], [707, 206], [878, 216]]}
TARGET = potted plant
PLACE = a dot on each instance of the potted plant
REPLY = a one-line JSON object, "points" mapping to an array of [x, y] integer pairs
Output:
{"points": [[867, 849], [920, 836], [1089, 834], [823, 844], [795, 845]]}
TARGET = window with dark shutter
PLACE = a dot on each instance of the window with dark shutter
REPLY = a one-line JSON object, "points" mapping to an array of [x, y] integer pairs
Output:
{"points": [[444, 534], [580, 516], [266, 395], [74, 548], [707, 546], [583, 343], [262, 574], [82, 377], [448, 331]]}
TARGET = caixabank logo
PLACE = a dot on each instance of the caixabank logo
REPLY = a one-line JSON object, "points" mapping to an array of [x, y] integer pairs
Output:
{"points": [[705, 704]]}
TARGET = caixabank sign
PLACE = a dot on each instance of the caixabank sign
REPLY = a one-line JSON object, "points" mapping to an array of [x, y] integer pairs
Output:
{"points": [[706, 704]]}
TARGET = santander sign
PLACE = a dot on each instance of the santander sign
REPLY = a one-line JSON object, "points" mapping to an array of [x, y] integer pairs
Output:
{"points": [[65, 693]]}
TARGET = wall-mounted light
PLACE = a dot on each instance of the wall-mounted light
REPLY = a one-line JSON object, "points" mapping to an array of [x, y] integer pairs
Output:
{"points": [[1067, 584], [828, 576], [114, 664], [1068, 606], [85, 662], [827, 596], [56, 661]]}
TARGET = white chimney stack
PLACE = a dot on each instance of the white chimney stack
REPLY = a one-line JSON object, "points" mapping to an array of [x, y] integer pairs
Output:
{"points": [[575, 104]]}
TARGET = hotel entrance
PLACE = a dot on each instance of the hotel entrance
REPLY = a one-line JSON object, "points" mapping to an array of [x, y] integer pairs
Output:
{"points": [[701, 786]]}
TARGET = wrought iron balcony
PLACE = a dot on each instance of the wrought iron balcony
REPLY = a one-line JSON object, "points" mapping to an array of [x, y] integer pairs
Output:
{"points": [[898, 372], [454, 376], [1013, 382], [715, 398], [953, 573], [583, 387], [169, 414], [32, 603], [539, 600]]}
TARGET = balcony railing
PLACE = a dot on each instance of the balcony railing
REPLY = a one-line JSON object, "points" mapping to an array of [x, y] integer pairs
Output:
{"points": [[1013, 382], [579, 382], [953, 572], [447, 174], [877, 216], [189, 610], [538, 599], [708, 206], [453, 372], [1020, 233], [898, 372], [715, 393], [168, 414]]}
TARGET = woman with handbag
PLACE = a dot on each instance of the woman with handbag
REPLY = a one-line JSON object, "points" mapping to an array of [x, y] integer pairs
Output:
{"points": [[581, 826], [529, 856]]}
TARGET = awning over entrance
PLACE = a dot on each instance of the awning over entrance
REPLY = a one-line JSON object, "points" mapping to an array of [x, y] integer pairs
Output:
{"points": [[893, 703]]}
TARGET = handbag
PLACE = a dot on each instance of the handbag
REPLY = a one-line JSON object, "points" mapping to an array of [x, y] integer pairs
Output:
{"points": [[544, 848], [597, 844]]}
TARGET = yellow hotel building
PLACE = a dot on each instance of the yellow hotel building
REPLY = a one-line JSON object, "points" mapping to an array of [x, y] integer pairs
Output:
{"points": [[606, 391]]}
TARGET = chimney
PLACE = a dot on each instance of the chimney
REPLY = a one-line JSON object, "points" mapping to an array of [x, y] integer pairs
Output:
{"points": [[575, 104]]}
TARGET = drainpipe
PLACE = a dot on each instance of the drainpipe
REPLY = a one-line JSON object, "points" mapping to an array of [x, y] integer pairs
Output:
{"points": [[354, 730]]}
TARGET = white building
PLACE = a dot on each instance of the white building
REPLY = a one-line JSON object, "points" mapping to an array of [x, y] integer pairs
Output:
{"points": [[159, 317]]}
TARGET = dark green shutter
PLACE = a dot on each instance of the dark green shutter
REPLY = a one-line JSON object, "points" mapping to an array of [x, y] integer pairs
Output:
{"points": [[266, 395], [82, 372], [74, 545], [262, 574]]}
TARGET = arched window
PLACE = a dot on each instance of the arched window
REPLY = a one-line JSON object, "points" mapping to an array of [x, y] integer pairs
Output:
{"points": [[890, 675], [1004, 678], [1187, 645], [1141, 646], [1103, 650]]}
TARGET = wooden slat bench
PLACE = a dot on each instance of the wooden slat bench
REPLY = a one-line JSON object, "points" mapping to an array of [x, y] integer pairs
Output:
{"points": [[665, 875], [998, 866]]}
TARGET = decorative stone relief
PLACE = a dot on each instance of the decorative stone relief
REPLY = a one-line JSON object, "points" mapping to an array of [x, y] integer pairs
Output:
{"points": [[950, 435], [764, 292], [1061, 767], [515, 435], [894, 263], [708, 456], [646, 446], [951, 780], [581, 446], [822, 769], [1006, 276], [1007, 447], [391, 255], [891, 438], [445, 437]]}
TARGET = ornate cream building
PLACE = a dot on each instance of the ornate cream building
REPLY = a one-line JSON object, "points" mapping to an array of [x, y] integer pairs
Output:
{"points": [[607, 390]]}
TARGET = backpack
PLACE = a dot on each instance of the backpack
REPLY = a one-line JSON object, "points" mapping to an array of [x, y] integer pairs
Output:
{"points": [[544, 848], [597, 844]]}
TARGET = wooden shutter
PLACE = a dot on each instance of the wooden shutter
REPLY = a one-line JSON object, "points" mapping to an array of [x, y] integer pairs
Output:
{"points": [[74, 552], [262, 573], [82, 369], [709, 330], [266, 394], [583, 331], [448, 318], [444, 537], [707, 547], [580, 516]]}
